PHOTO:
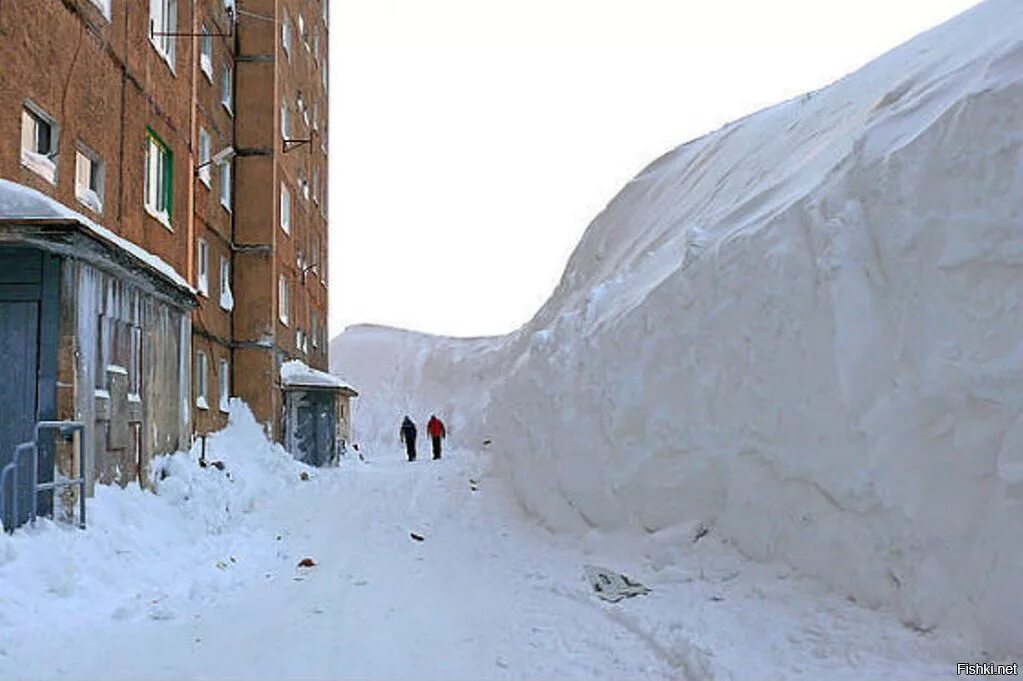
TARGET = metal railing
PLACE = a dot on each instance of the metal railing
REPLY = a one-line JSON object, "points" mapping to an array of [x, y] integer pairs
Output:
{"points": [[9, 473]]}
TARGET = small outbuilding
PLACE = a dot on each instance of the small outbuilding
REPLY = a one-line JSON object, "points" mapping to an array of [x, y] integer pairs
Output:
{"points": [[317, 414]]}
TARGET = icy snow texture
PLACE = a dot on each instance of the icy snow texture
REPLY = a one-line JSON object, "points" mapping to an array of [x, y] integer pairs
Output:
{"points": [[804, 329]]}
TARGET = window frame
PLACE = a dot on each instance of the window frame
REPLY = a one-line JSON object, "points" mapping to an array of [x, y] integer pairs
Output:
{"points": [[227, 88], [285, 215], [202, 266], [44, 164], [225, 282], [97, 171], [226, 188], [163, 214], [205, 157], [283, 300], [206, 56], [202, 387], [164, 45], [224, 385]]}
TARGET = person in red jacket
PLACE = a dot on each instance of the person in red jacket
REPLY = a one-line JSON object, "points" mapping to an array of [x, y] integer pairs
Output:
{"points": [[435, 429]]}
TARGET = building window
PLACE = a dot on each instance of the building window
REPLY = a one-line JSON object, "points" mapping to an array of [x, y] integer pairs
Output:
{"points": [[324, 11], [303, 184], [299, 340], [202, 256], [206, 53], [227, 88], [316, 44], [89, 179], [303, 32], [39, 142], [316, 184], [225, 186], [283, 299], [225, 385], [205, 149], [104, 6], [285, 121], [286, 34], [302, 108], [163, 19], [201, 381], [226, 297], [323, 75], [285, 209], [159, 190], [316, 330], [316, 116]]}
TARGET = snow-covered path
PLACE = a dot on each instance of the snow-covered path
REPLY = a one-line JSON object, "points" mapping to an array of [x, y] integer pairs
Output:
{"points": [[486, 594]]}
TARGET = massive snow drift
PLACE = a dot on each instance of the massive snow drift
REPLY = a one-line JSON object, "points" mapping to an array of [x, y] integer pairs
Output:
{"points": [[804, 330]]}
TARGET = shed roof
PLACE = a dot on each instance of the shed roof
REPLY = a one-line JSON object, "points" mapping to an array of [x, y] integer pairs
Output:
{"points": [[19, 203], [298, 374]]}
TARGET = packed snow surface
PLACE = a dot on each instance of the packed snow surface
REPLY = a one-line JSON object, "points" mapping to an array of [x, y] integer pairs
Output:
{"points": [[203, 580], [803, 331]]}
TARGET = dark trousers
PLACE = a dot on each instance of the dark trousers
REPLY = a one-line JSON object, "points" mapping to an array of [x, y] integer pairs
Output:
{"points": [[410, 448], [436, 447]]}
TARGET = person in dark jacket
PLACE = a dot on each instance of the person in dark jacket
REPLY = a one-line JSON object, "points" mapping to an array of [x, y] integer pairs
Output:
{"points": [[408, 436], [435, 429]]}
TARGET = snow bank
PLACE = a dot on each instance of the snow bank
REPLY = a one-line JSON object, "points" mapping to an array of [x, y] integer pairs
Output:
{"points": [[803, 330], [144, 554], [415, 374]]}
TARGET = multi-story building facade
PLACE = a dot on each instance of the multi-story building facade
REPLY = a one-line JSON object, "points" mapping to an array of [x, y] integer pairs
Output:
{"points": [[280, 233], [162, 222]]}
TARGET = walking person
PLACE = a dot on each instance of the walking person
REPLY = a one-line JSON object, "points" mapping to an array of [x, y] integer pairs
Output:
{"points": [[435, 429], [408, 436]]}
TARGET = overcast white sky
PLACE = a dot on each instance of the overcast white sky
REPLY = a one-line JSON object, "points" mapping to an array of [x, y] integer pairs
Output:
{"points": [[472, 141]]}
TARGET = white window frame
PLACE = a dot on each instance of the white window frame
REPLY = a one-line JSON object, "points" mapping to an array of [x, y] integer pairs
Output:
{"points": [[227, 88], [104, 7], [285, 120], [43, 162], [225, 186], [224, 392], [206, 53], [303, 33], [286, 34], [202, 386], [285, 208], [283, 299], [88, 196], [205, 157], [159, 163], [163, 18], [226, 295], [202, 268]]}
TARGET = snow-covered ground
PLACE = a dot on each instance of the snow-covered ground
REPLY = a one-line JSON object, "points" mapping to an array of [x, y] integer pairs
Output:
{"points": [[202, 581], [804, 330]]}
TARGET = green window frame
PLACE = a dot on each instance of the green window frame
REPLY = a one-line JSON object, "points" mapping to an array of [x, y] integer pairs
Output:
{"points": [[159, 178]]}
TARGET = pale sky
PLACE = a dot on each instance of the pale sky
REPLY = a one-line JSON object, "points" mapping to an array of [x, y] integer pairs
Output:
{"points": [[472, 141]]}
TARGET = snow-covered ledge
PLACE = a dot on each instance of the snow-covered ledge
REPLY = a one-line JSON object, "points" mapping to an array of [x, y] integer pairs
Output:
{"points": [[19, 203], [298, 374]]}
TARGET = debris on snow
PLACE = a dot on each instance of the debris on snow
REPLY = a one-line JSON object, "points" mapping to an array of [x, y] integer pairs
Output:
{"points": [[613, 586], [306, 563], [417, 537]]}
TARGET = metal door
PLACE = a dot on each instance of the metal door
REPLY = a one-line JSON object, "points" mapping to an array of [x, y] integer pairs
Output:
{"points": [[314, 434], [28, 281]]}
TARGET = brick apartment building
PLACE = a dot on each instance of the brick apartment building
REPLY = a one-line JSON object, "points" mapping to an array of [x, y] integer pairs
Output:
{"points": [[163, 219]]}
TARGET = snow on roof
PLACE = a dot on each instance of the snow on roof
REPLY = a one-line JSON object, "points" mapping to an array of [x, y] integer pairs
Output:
{"points": [[18, 202], [297, 373]]}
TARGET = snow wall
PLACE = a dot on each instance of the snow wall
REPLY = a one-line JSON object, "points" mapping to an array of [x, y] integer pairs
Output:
{"points": [[804, 330]]}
